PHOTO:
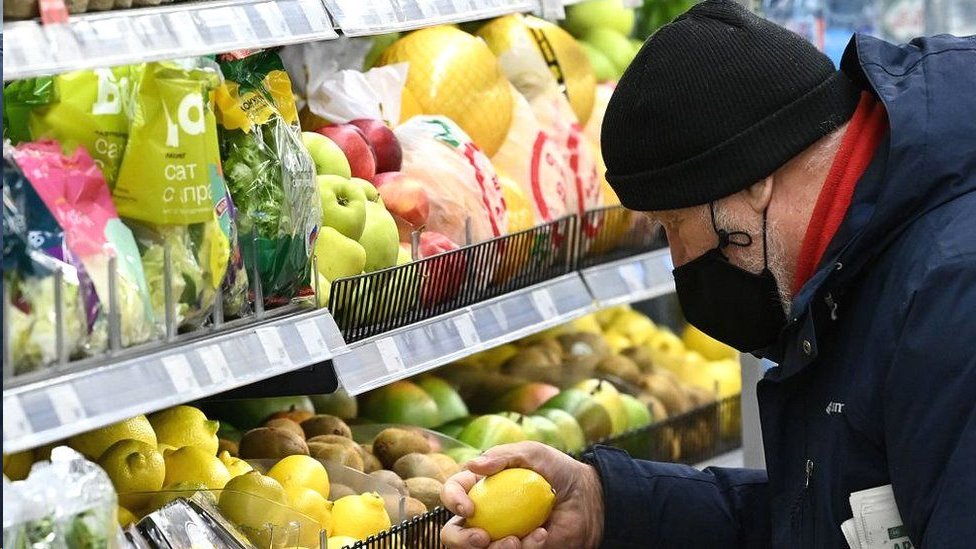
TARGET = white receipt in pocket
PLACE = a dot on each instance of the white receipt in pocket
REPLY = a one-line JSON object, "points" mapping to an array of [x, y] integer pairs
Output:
{"points": [[876, 523]]}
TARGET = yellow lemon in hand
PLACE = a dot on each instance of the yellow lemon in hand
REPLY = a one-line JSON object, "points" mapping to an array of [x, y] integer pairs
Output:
{"points": [[360, 516], [136, 469], [191, 464], [513, 502], [305, 471], [181, 426]]}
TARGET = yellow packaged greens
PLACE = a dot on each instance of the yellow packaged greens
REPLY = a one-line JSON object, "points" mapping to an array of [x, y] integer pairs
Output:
{"points": [[170, 188]]}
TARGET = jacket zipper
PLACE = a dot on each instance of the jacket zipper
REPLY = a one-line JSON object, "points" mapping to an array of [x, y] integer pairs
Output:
{"points": [[797, 512]]}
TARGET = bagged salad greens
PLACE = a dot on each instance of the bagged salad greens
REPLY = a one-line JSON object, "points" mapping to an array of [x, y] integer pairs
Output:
{"points": [[76, 195], [34, 249], [269, 172], [170, 188]]}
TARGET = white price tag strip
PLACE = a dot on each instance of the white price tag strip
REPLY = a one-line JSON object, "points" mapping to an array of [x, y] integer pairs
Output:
{"points": [[273, 19], [390, 355], [67, 405], [311, 336], [315, 14], [28, 40], [498, 312], [274, 348], [182, 26], [15, 424], [215, 362], [633, 276], [180, 373], [231, 20], [466, 329], [544, 304]]}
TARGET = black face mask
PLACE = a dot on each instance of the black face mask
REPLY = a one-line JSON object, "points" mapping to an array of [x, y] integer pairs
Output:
{"points": [[735, 306]]}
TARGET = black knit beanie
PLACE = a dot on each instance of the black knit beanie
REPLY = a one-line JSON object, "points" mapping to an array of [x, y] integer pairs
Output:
{"points": [[714, 102]]}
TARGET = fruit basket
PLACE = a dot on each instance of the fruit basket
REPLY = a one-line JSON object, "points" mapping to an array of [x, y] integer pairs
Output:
{"points": [[613, 232], [373, 303]]}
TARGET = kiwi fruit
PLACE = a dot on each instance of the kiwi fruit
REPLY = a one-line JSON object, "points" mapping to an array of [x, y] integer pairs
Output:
{"points": [[371, 463], [413, 507], [418, 465], [446, 463], [337, 453], [427, 490], [341, 441], [229, 445], [324, 424], [391, 478], [535, 364], [286, 424], [658, 411], [620, 366], [641, 356], [339, 491], [393, 443], [698, 396], [667, 391], [271, 443], [584, 344]]}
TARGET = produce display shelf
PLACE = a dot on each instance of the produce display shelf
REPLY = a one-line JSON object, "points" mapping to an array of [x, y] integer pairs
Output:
{"points": [[105, 39], [97, 392], [414, 349], [631, 279], [358, 18]]}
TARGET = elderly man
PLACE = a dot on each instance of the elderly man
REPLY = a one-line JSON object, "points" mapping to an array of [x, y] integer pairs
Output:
{"points": [[823, 219]]}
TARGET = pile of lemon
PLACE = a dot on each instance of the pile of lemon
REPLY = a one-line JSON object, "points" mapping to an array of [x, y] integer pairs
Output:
{"points": [[174, 453]]}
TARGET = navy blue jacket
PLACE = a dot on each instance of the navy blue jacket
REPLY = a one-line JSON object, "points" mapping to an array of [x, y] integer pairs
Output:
{"points": [[886, 327]]}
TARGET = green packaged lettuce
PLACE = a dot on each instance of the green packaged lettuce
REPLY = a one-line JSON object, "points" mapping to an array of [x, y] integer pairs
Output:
{"points": [[269, 172], [170, 188]]}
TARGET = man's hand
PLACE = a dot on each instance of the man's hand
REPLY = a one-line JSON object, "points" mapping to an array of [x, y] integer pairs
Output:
{"points": [[576, 520]]}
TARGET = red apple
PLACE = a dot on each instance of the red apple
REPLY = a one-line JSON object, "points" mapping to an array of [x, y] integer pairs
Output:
{"points": [[389, 155], [352, 141], [443, 275], [404, 197]]}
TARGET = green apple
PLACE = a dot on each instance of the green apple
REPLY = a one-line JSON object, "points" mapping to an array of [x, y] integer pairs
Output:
{"points": [[339, 403], [453, 428], [338, 256], [570, 432], [604, 393], [638, 414], [603, 68], [592, 417], [612, 44], [328, 157], [491, 430], [593, 14], [403, 255], [529, 428], [462, 454], [343, 205], [400, 402], [449, 403], [538, 428], [380, 237]]}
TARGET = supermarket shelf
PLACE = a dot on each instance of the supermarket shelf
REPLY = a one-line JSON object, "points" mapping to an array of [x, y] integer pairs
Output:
{"points": [[164, 32], [95, 395], [414, 349], [632, 279], [358, 18]]}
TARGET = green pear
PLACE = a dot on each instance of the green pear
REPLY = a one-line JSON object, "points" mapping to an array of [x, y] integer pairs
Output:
{"points": [[343, 205], [583, 17], [454, 427], [615, 46], [607, 395], [491, 430], [327, 156], [638, 414], [603, 67], [570, 432], [338, 256], [380, 236], [538, 428], [592, 417]]}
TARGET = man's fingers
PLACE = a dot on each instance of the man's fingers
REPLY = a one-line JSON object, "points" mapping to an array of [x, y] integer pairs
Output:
{"points": [[455, 536], [454, 495], [521, 454], [510, 542], [536, 539]]}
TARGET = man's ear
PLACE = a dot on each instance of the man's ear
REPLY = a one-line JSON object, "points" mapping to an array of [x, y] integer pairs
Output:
{"points": [[759, 194]]}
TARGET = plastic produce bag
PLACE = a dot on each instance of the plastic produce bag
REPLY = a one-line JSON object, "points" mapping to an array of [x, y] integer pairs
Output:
{"points": [[68, 503], [80, 108], [72, 188], [269, 172], [33, 250], [170, 188], [347, 95], [460, 180], [535, 162]]}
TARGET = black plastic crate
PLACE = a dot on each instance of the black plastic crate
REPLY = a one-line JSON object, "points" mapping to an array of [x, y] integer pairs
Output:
{"points": [[614, 232], [423, 532], [692, 437], [374, 303]]}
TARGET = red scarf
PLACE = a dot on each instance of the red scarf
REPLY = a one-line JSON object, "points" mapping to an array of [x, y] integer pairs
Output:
{"points": [[861, 139]]}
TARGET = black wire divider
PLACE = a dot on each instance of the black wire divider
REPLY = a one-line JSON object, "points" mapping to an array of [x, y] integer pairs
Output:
{"points": [[614, 232]]}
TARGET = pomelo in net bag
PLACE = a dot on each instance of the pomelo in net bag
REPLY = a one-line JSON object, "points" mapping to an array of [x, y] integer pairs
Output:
{"points": [[455, 74], [535, 163], [459, 179]]}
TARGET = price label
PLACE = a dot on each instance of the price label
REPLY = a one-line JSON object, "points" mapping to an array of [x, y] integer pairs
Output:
{"points": [[273, 19], [274, 348], [315, 14], [498, 312], [553, 10], [466, 329], [28, 45], [311, 336], [633, 276], [15, 424], [544, 304], [390, 355], [180, 373], [185, 30], [215, 362], [67, 405], [229, 24], [153, 32]]}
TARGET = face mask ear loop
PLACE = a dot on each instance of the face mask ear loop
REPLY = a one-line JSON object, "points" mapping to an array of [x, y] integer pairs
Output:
{"points": [[723, 235]]}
